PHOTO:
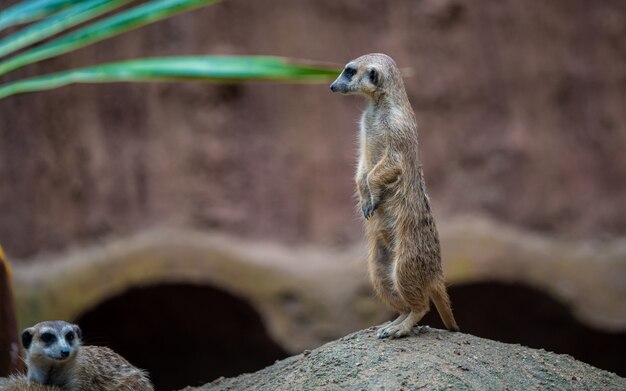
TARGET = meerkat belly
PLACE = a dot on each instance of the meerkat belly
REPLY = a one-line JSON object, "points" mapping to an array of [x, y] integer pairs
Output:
{"points": [[385, 221], [383, 230], [400, 215]]}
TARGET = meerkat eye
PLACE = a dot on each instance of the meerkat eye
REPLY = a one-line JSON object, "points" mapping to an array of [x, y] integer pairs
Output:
{"points": [[349, 72], [373, 77], [69, 337], [47, 337]]}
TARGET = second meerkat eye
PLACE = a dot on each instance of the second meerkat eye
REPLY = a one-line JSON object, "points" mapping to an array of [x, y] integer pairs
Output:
{"points": [[374, 77], [47, 337], [69, 337]]}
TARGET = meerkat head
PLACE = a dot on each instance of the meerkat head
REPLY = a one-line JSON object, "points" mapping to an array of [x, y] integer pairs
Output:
{"points": [[371, 75], [51, 342]]}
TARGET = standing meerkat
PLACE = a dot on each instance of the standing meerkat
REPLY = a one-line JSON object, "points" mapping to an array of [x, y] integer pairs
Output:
{"points": [[404, 251], [56, 358]]}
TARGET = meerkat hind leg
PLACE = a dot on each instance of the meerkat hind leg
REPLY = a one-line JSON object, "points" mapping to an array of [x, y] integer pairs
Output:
{"points": [[419, 304], [404, 327], [382, 331]]}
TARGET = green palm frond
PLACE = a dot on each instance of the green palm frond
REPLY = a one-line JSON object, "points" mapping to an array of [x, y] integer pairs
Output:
{"points": [[133, 18], [61, 15], [31, 10], [192, 68], [61, 21]]}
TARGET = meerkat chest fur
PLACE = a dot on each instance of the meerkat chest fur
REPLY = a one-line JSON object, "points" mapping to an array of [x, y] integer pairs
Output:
{"points": [[388, 133], [373, 138]]}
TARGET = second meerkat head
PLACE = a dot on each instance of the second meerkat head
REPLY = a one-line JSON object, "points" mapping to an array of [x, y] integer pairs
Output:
{"points": [[50, 342], [371, 75]]}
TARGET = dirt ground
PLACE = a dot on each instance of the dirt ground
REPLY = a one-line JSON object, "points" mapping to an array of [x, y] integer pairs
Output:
{"points": [[433, 360]]}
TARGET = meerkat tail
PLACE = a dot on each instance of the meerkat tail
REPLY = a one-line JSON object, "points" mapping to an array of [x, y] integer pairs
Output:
{"points": [[441, 299]]}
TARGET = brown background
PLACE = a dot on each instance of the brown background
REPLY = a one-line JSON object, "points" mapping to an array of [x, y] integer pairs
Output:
{"points": [[521, 108]]}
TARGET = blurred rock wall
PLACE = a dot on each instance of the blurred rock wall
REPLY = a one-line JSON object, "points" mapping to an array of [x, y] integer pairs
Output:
{"points": [[521, 108]]}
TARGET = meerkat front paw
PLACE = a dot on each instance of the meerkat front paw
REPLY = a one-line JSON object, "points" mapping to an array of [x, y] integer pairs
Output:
{"points": [[368, 210], [369, 206]]}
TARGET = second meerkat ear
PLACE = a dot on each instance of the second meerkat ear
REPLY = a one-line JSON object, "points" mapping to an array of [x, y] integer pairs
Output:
{"points": [[27, 338], [374, 78]]}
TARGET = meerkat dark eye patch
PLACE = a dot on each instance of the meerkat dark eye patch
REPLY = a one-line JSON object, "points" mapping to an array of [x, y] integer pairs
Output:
{"points": [[374, 79], [349, 72], [47, 337], [69, 337]]}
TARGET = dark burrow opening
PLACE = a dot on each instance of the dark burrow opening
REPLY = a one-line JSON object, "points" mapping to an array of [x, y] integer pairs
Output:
{"points": [[182, 334], [516, 313]]}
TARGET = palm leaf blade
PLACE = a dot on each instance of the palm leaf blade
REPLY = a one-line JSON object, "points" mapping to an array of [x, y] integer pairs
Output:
{"points": [[30, 10], [60, 21], [133, 18], [198, 68]]}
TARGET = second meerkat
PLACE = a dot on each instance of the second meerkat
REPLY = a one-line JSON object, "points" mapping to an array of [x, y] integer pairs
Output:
{"points": [[57, 360], [404, 251]]}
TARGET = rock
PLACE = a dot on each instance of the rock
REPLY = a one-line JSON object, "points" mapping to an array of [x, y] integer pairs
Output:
{"points": [[432, 360]]}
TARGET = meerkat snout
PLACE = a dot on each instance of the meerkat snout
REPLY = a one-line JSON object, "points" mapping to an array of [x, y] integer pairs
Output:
{"points": [[338, 85], [341, 83]]}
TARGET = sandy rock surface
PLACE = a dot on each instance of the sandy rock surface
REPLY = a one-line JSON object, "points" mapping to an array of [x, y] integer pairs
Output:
{"points": [[433, 359]]}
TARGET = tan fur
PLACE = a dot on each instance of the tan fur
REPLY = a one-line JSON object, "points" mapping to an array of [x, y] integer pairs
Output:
{"points": [[88, 368], [101, 369], [404, 251], [20, 383]]}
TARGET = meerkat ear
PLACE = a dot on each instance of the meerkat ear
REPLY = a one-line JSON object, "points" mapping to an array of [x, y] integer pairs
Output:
{"points": [[27, 338], [78, 331], [374, 78]]}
